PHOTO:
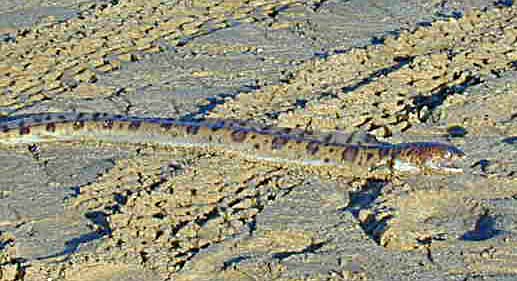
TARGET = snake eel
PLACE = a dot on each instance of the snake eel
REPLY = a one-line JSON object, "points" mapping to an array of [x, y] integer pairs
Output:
{"points": [[252, 141]]}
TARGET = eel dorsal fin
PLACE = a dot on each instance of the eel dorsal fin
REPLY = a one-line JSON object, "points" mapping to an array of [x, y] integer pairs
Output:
{"points": [[334, 137]]}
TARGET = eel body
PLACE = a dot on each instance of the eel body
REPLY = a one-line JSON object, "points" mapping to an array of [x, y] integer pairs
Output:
{"points": [[252, 141]]}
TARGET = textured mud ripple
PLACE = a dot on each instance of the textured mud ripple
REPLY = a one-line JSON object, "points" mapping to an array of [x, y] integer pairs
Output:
{"points": [[390, 87], [62, 58]]}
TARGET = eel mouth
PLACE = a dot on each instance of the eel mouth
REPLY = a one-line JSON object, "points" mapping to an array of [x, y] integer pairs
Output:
{"points": [[447, 166]]}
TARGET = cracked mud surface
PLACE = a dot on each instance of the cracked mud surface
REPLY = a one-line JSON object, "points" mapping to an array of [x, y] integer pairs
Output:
{"points": [[403, 71]]}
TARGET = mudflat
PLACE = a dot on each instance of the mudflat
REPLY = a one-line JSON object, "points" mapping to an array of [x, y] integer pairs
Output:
{"points": [[402, 72]]}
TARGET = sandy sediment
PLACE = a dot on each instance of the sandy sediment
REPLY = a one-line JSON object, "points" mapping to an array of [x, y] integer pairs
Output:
{"points": [[131, 213]]}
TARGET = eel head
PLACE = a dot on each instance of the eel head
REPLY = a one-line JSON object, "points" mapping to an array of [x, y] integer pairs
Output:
{"points": [[427, 156]]}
